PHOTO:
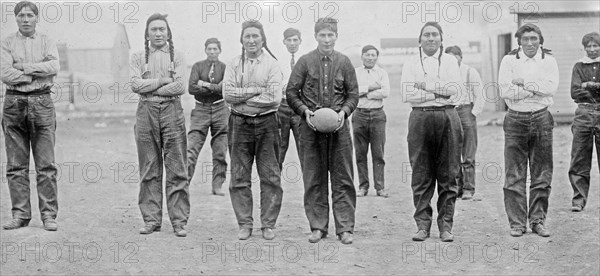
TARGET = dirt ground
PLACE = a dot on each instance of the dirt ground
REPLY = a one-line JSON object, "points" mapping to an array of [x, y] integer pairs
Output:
{"points": [[99, 217]]}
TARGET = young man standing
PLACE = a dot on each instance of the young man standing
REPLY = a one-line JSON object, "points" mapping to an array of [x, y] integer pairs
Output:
{"points": [[252, 86], [326, 79], [210, 112], [28, 66], [434, 133], [287, 117], [368, 121], [157, 76], [469, 104], [528, 79]]}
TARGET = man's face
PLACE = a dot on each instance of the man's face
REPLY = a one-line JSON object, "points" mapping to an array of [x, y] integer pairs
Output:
{"points": [[530, 41], [158, 33], [212, 51], [326, 39], [592, 49], [457, 57], [369, 58], [26, 20], [252, 40], [431, 39], [292, 43]]}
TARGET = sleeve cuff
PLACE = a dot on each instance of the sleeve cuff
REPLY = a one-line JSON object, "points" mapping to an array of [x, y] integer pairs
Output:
{"points": [[27, 68], [303, 109], [347, 111]]}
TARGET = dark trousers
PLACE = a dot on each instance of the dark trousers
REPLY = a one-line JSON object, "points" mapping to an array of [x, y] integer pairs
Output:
{"points": [[29, 124], [586, 133], [368, 126], [203, 117], [527, 141], [289, 121], [466, 176], [161, 141], [434, 146], [250, 138], [324, 157]]}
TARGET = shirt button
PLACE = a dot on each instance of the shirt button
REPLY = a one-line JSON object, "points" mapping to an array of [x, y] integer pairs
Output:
{"points": [[325, 87], [325, 76], [326, 65]]}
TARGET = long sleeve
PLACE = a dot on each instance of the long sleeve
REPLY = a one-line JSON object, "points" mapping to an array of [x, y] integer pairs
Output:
{"points": [[351, 87], [546, 83], [449, 83], [476, 85], [10, 75], [578, 93], [508, 90], [270, 94], [49, 66], [384, 91], [177, 87], [233, 92], [138, 83], [193, 87], [294, 86], [411, 94]]}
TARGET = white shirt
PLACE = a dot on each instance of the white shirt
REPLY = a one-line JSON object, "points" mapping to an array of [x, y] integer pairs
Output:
{"points": [[473, 88], [539, 75], [286, 69], [375, 76], [447, 82]]}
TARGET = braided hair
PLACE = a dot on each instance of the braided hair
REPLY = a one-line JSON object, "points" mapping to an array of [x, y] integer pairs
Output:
{"points": [[259, 26], [529, 28], [163, 17], [439, 28]]}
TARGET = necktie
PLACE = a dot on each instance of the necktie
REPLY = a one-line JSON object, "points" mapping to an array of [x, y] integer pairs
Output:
{"points": [[211, 73], [292, 62]]}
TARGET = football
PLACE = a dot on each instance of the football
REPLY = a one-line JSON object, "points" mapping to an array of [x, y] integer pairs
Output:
{"points": [[325, 120]]}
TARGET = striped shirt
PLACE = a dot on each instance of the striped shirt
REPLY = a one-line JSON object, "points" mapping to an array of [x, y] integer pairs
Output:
{"points": [[375, 76], [39, 57], [255, 91], [145, 80]]}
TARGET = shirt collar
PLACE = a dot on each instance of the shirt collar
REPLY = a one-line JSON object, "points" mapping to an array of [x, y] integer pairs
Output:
{"points": [[164, 48], [259, 58], [434, 56], [536, 57], [34, 35], [588, 60], [325, 57]]}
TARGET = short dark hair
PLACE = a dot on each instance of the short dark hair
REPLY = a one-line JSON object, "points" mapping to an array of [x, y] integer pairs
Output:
{"points": [[24, 4], [455, 50], [289, 32], [369, 47], [595, 37], [326, 23], [212, 40]]}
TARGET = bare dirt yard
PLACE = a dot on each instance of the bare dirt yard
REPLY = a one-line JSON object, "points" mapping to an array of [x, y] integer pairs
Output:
{"points": [[99, 217]]}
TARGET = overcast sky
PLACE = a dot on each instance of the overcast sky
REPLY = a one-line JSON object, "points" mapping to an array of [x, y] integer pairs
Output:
{"points": [[360, 22]]}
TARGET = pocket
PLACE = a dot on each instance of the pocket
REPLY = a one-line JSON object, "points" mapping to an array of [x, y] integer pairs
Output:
{"points": [[46, 101], [9, 101]]}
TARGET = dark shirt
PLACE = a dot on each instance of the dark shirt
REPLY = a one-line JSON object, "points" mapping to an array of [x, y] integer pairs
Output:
{"points": [[200, 71], [323, 81], [583, 72]]}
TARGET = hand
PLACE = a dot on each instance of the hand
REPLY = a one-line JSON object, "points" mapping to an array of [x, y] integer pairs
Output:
{"points": [[165, 80], [341, 119], [18, 66], [374, 87], [206, 84], [590, 85], [438, 96], [519, 82], [200, 83], [308, 114], [420, 85]]}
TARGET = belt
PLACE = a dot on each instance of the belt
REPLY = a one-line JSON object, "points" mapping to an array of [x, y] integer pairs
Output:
{"points": [[368, 109], [589, 106], [36, 92], [234, 112], [433, 108], [213, 103], [527, 113], [158, 98], [464, 105]]}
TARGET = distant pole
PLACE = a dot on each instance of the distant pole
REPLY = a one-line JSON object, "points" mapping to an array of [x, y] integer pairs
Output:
{"points": [[71, 92]]}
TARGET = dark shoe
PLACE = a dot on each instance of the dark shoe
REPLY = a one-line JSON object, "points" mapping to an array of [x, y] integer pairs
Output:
{"points": [[149, 229], [245, 233], [540, 230], [576, 208], [346, 237], [383, 193], [268, 233], [218, 192], [50, 225], [421, 235], [516, 232], [316, 236], [179, 231], [447, 236], [15, 224], [362, 192], [467, 195]]}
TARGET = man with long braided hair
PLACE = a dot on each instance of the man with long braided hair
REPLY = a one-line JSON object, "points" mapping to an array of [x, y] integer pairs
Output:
{"points": [[157, 76], [434, 131], [528, 79], [252, 86]]}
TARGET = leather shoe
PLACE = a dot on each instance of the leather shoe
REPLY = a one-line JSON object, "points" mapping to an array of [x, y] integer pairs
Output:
{"points": [[516, 232], [362, 192], [316, 236], [540, 230], [346, 237], [383, 193], [245, 233], [446, 236], [218, 192], [421, 235], [179, 231], [576, 208], [268, 233], [50, 225], [149, 228], [15, 224], [467, 195]]}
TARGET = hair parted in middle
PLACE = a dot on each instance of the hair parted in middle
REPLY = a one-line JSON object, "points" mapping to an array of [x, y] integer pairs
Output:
{"points": [[439, 28], [163, 17], [529, 28], [254, 24]]}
